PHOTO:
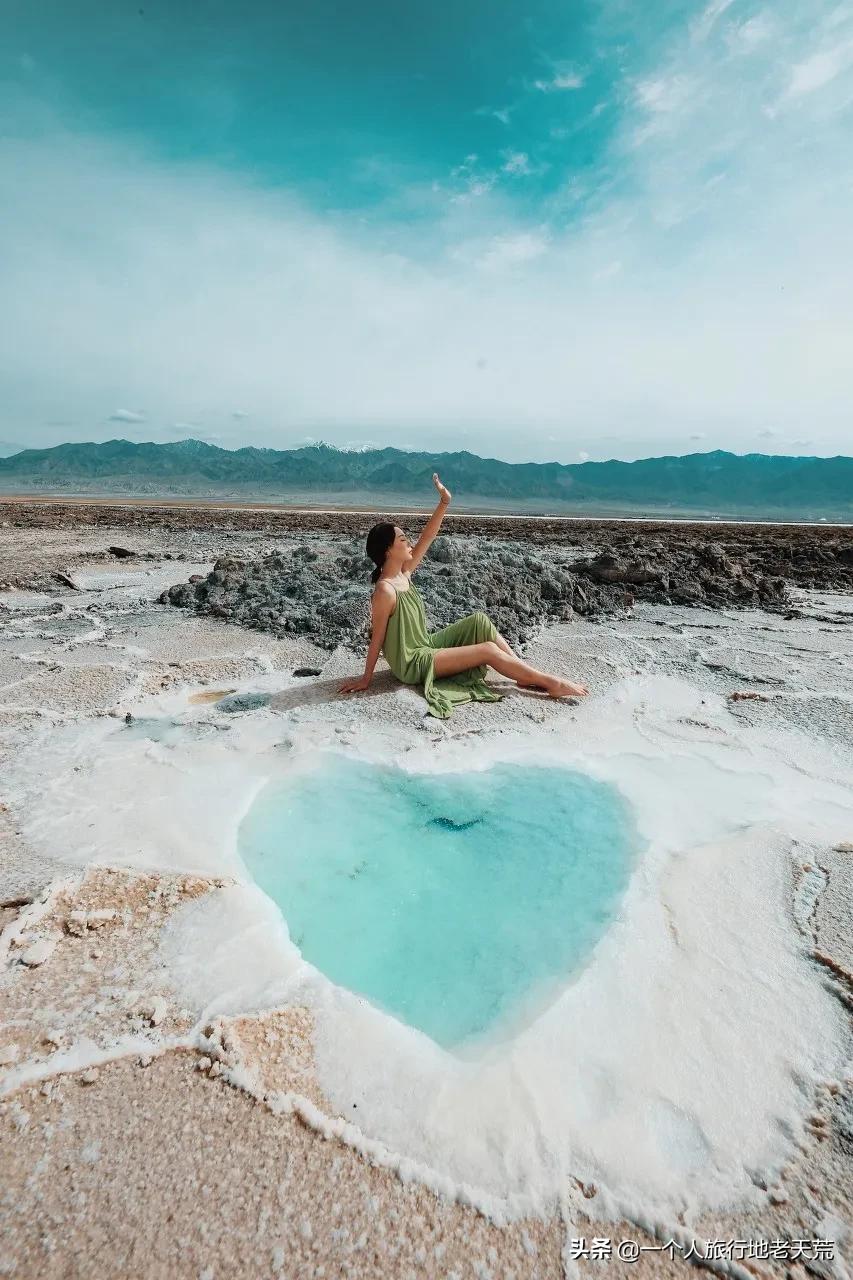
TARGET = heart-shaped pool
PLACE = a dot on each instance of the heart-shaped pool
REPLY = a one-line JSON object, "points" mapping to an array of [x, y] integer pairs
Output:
{"points": [[454, 901]]}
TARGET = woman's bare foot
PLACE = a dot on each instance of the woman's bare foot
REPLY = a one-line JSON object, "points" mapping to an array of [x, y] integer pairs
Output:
{"points": [[565, 689], [555, 687]]}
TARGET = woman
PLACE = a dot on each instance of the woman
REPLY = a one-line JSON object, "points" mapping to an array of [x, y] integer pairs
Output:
{"points": [[450, 664]]}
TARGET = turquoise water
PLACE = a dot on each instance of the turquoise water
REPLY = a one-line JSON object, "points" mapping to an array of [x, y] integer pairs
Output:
{"points": [[452, 901]]}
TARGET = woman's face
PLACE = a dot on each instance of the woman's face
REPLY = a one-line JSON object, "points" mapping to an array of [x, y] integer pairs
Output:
{"points": [[402, 546]]}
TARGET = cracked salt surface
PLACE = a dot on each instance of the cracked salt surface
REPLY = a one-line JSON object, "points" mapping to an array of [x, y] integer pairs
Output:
{"points": [[676, 1068]]}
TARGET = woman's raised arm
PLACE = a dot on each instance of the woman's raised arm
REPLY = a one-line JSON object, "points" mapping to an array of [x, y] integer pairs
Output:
{"points": [[432, 526]]}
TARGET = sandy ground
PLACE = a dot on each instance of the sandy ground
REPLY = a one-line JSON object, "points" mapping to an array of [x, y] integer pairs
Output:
{"points": [[135, 1143]]}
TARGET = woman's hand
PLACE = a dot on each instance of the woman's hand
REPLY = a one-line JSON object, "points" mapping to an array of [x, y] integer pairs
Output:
{"points": [[355, 686], [444, 494]]}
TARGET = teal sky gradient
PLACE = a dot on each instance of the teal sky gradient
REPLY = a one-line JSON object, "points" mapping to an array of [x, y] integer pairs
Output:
{"points": [[340, 101], [539, 229]]}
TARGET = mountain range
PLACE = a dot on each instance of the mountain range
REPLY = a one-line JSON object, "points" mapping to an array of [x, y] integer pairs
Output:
{"points": [[699, 483]]}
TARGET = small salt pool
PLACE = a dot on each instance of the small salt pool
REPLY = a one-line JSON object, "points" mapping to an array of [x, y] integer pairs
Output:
{"points": [[458, 902]]}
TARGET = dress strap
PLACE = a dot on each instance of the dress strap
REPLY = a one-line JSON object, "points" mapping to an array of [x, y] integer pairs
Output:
{"points": [[397, 590]]}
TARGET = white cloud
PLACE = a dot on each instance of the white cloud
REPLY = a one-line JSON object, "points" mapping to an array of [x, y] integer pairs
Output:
{"points": [[662, 95], [512, 250], [583, 455], [127, 415], [472, 182], [819, 70], [745, 37], [517, 163], [709, 147], [706, 21], [384, 341], [560, 82], [478, 318]]}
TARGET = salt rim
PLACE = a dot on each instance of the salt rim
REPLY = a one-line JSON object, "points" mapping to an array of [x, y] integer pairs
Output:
{"points": [[674, 1071]]}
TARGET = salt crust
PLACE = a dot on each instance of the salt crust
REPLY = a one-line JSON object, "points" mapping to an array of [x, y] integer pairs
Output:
{"points": [[674, 1070]]}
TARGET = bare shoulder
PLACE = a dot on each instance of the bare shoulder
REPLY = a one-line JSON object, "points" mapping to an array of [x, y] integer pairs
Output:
{"points": [[384, 596]]}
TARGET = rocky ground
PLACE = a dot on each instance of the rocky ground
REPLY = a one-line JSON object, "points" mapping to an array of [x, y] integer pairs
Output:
{"points": [[137, 1143], [305, 573]]}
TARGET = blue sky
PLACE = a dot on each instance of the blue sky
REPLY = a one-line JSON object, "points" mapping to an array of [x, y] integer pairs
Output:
{"points": [[535, 230]]}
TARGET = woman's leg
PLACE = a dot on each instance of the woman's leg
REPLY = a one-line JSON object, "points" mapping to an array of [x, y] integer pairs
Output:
{"points": [[523, 683], [502, 644], [449, 662], [476, 629]]}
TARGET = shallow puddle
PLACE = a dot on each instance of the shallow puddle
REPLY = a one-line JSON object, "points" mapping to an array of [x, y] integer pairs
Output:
{"points": [[454, 901]]}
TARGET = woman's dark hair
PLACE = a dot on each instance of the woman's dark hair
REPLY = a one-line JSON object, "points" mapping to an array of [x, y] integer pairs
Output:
{"points": [[379, 540]]}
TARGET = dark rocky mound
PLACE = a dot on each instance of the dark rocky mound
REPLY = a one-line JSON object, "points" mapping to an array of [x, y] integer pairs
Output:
{"points": [[321, 590], [705, 574]]}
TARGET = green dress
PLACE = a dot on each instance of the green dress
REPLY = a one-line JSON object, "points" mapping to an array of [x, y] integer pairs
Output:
{"points": [[410, 652]]}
